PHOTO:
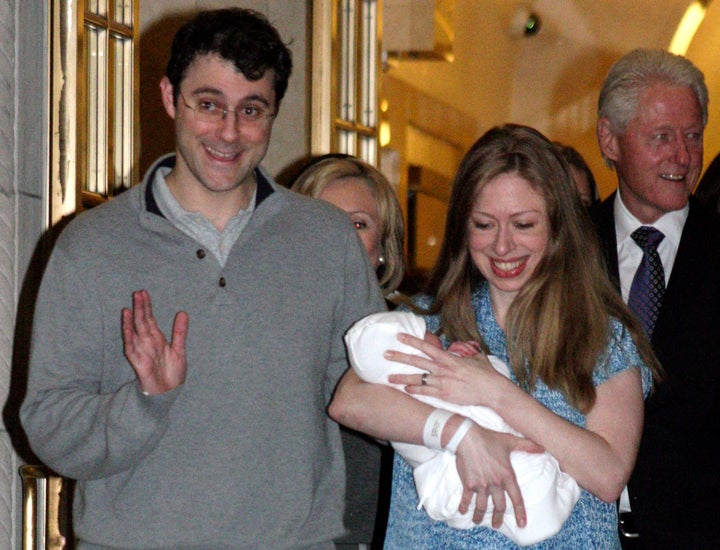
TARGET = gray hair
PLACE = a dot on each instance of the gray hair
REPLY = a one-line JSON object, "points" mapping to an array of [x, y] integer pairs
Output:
{"points": [[633, 73]]}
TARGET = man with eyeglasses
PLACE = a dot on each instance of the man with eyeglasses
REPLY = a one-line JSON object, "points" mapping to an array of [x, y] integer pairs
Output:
{"points": [[198, 420]]}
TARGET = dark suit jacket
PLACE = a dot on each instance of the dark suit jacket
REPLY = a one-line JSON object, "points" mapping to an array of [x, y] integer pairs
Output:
{"points": [[675, 487]]}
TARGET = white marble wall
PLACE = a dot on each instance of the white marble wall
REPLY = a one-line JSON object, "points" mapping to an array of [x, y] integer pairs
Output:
{"points": [[23, 117], [8, 202]]}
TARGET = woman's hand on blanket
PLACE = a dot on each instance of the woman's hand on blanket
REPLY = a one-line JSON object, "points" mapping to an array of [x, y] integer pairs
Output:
{"points": [[483, 463], [455, 379], [159, 365]]}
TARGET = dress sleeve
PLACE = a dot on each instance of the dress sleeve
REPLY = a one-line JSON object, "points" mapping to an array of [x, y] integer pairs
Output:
{"points": [[622, 354]]}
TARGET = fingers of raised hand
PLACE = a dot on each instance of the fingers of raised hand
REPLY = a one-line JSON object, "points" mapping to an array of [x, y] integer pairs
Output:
{"points": [[179, 334], [127, 327], [143, 341], [159, 365], [143, 319]]}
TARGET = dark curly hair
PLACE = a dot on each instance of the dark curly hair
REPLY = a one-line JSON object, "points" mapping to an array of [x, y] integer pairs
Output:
{"points": [[244, 37]]}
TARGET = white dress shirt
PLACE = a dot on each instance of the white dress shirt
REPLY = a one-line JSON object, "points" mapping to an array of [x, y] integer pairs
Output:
{"points": [[630, 254]]}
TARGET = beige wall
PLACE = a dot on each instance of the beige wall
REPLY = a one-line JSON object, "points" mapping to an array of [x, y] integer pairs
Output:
{"points": [[159, 19], [705, 53], [432, 135], [466, 84]]}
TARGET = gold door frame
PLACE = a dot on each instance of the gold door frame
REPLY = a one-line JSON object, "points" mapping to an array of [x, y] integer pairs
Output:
{"points": [[63, 109]]}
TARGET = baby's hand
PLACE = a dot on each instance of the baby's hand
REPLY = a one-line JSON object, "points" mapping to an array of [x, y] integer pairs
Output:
{"points": [[465, 349]]}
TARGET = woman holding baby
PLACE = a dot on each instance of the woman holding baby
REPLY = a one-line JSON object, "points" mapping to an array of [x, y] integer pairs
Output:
{"points": [[519, 272]]}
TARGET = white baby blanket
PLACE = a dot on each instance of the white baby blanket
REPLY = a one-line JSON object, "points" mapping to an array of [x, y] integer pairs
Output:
{"points": [[549, 493]]}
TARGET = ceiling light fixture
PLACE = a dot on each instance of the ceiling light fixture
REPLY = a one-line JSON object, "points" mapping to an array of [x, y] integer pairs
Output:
{"points": [[525, 23], [687, 28]]}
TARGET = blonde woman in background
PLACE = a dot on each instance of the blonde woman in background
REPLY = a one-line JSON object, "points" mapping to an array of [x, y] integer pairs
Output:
{"points": [[367, 197]]}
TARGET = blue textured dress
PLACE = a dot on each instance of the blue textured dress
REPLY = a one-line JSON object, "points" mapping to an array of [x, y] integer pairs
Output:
{"points": [[592, 523]]}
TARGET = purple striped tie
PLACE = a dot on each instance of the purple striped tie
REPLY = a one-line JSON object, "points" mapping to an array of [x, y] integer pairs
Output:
{"points": [[648, 286]]}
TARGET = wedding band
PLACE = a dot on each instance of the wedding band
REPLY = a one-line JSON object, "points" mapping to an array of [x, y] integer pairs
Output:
{"points": [[424, 378]]}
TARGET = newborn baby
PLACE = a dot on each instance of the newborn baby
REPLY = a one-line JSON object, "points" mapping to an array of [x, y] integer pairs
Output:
{"points": [[549, 494]]}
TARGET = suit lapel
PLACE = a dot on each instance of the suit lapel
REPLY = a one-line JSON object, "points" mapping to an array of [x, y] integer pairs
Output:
{"points": [[686, 278], [605, 220]]}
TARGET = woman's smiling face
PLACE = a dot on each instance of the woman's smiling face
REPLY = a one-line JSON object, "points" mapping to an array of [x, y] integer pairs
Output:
{"points": [[508, 233]]}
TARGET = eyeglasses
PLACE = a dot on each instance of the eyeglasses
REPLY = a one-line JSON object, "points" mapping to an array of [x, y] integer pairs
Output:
{"points": [[208, 110]]}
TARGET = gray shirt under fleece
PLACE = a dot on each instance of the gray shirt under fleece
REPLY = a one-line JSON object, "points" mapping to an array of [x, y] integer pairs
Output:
{"points": [[243, 454]]}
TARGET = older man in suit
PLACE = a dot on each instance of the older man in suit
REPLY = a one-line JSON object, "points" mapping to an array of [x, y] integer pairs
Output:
{"points": [[663, 251]]}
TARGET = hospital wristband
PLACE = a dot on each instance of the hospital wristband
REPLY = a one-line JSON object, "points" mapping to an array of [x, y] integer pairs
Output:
{"points": [[432, 433], [461, 432]]}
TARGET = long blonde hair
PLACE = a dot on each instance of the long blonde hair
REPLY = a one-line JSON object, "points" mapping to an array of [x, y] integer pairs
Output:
{"points": [[558, 326], [330, 168]]}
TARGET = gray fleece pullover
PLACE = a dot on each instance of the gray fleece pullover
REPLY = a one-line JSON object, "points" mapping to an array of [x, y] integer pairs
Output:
{"points": [[242, 455]]}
